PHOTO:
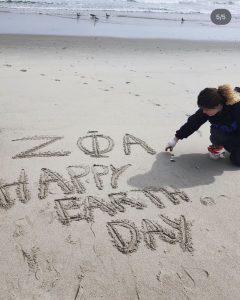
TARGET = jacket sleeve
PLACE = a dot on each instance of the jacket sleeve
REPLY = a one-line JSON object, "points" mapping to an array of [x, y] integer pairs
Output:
{"points": [[193, 123], [237, 119]]}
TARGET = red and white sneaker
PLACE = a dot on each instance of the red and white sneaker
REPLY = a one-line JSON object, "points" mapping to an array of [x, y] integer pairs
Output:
{"points": [[216, 152]]}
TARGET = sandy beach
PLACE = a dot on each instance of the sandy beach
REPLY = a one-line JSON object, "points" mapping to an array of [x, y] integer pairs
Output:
{"points": [[91, 206]]}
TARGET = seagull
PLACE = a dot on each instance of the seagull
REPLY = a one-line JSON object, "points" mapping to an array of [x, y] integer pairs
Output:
{"points": [[182, 20], [93, 16], [107, 15], [78, 15]]}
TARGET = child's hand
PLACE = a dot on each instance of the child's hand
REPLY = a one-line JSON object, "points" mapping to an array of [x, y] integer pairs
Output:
{"points": [[171, 144]]}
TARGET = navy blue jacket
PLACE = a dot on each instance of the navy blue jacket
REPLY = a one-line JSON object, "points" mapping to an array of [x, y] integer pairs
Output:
{"points": [[227, 120]]}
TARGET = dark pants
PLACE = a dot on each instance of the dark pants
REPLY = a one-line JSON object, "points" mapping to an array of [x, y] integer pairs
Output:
{"points": [[230, 141]]}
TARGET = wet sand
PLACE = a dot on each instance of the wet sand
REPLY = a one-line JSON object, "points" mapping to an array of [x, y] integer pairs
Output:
{"points": [[91, 207], [121, 25]]}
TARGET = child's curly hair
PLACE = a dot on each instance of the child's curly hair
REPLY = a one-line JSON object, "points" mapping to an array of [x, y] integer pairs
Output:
{"points": [[211, 97]]}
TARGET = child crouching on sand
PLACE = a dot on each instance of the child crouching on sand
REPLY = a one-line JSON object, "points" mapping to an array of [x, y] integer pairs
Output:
{"points": [[221, 107]]}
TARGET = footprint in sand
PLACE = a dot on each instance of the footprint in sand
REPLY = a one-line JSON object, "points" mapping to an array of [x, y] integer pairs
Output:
{"points": [[22, 227], [207, 201], [154, 103], [224, 196], [23, 70], [70, 240], [158, 276], [41, 266], [57, 80], [191, 277]]}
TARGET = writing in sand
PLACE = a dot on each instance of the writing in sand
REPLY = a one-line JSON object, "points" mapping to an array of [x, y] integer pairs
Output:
{"points": [[77, 205]]}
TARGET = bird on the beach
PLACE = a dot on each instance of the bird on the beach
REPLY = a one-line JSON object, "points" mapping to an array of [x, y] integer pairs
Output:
{"points": [[107, 15], [92, 16], [182, 20], [78, 15], [95, 20]]}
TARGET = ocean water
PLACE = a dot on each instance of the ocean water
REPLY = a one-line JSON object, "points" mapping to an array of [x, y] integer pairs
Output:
{"points": [[68, 7]]}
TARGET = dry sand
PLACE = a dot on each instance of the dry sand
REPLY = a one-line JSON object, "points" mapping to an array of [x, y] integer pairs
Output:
{"points": [[104, 215]]}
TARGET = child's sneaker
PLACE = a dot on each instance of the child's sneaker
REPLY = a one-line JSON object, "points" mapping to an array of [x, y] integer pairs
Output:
{"points": [[216, 152]]}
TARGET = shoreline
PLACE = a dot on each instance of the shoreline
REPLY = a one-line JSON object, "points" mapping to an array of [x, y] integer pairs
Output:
{"points": [[133, 27], [54, 41]]}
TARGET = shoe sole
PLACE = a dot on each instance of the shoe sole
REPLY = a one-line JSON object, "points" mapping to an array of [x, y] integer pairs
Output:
{"points": [[216, 156]]}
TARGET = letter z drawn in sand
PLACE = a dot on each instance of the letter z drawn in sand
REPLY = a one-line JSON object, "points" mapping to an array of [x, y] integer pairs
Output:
{"points": [[32, 152]]}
